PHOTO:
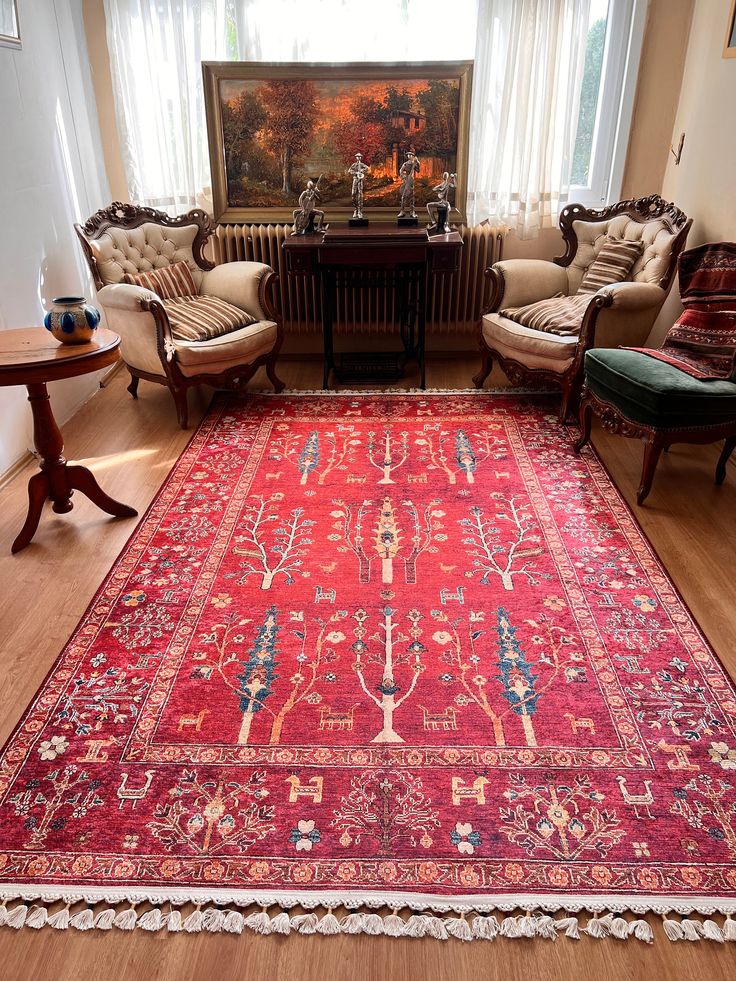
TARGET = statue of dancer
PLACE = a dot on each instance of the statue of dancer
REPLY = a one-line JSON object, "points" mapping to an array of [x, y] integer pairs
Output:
{"points": [[439, 211], [408, 169], [358, 170], [308, 218]]}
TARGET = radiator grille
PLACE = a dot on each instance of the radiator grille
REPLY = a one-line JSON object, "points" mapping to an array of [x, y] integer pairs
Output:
{"points": [[455, 301]]}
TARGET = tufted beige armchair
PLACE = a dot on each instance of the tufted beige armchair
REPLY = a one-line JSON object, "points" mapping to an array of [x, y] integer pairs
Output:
{"points": [[123, 241], [620, 314]]}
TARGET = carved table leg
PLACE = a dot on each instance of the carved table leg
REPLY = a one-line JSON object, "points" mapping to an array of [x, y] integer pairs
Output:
{"points": [[56, 480], [728, 447], [38, 491]]}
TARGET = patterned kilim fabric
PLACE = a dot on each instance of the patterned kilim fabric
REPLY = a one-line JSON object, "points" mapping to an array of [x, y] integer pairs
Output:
{"points": [[167, 282], [613, 264], [200, 318], [562, 315], [402, 651], [703, 341]]}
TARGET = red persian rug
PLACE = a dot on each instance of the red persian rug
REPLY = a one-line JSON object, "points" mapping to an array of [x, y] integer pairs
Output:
{"points": [[398, 664]]}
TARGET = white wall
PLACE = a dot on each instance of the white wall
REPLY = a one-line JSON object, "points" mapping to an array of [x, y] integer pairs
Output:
{"points": [[51, 175], [704, 183]]}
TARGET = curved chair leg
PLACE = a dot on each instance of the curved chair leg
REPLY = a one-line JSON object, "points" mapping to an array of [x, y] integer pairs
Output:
{"points": [[133, 387], [278, 385], [570, 398], [182, 408], [586, 424], [652, 451], [485, 369], [728, 447]]}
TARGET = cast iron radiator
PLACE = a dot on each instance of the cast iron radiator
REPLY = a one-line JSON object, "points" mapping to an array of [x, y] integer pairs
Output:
{"points": [[455, 301]]}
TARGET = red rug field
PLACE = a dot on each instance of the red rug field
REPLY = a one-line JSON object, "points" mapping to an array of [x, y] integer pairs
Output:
{"points": [[395, 653]]}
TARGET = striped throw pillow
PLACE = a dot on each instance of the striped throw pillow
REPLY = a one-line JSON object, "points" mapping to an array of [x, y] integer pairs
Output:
{"points": [[613, 264], [561, 315], [167, 282], [201, 318]]}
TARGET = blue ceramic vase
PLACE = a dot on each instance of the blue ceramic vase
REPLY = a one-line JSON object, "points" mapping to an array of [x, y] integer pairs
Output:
{"points": [[72, 320]]}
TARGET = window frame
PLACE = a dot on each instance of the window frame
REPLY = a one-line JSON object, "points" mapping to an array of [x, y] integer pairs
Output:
{"points": [[625, 25]]}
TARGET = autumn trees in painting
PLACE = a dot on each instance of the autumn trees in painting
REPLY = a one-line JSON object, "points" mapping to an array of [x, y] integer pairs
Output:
{"points": [[278, 132]]}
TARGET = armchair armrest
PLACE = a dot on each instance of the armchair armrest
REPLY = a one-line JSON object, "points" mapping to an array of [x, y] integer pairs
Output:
{"points": [[125, 296], [241, 283], [517, 282], [634, 296]]}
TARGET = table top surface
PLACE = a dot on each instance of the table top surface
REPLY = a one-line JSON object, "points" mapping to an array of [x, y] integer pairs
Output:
{"points": [[376, 235], [35, 352]]}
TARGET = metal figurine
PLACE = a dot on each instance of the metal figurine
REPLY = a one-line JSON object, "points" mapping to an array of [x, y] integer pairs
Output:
{"points": [[439, 211], [408, 169], [357, 171], [308, 218]]}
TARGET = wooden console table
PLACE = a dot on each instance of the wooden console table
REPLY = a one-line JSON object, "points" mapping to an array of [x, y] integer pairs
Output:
{"points": [[377, 256], [31, 357]]}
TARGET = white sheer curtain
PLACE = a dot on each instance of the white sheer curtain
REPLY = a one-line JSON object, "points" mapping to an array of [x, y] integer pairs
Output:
{"points": [[157, 46], [529, 61], [529, 57]]}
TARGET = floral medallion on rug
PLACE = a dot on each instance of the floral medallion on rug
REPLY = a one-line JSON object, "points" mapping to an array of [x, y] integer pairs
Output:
{"points": [[398, 656]]}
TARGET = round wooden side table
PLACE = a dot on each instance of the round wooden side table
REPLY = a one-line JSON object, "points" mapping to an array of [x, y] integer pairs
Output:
{"points": [[31, 357]]}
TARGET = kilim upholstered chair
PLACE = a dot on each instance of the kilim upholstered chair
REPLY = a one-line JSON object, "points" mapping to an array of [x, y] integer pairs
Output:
{"points": [[182, 320], [608, 316]]}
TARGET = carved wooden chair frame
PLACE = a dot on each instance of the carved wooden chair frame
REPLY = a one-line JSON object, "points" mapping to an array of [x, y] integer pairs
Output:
{"points": [[613, 420], [639, 209], [128, 216]]}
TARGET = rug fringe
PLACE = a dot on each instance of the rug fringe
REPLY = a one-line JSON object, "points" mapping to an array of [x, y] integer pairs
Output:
{"points": [[465, 926]]}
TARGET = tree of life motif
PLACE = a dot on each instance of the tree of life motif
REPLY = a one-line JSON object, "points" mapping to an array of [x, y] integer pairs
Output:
{"points": [[228, 638], [504, 545], [71, 795], [289, 541], [392, 537], [388, 807], [387, 453], [519, 685], [458, 453], [669, 698], [210, 816], [333, 450], [108, 696], [705, 803], [407, 659], [258, 673], [561, 819]]}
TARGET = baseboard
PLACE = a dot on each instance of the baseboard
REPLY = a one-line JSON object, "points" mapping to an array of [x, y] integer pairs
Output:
{"points": [[12, 472], [110, 374]]}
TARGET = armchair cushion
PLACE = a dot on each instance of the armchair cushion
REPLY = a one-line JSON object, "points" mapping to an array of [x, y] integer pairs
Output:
{"points": [[657, 394], [613, 264], [202, 318], [239, 347], [168, 281], [532, 348]]}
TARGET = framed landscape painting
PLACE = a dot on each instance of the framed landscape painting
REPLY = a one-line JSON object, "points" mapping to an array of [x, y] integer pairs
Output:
{"points": [[729, 47], [272, 127]]}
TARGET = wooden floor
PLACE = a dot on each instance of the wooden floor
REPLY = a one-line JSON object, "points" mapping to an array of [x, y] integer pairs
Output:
{"points": [[131, 446]]}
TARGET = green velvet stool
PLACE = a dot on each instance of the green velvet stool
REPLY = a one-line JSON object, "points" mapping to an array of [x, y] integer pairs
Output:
{"points": [[639, 396]]}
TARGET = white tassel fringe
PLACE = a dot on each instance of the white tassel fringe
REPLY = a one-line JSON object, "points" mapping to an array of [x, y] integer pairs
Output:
{"points": [[464, 927]]}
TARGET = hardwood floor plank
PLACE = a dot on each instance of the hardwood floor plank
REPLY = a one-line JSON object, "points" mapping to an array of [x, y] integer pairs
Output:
{"points": [[131, 447]]}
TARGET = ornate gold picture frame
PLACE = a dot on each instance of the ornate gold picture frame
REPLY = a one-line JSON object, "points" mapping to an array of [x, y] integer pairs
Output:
{"points": [[729, 45], [272, 127]]}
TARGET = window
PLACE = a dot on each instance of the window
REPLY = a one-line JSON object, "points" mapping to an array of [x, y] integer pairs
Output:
{"points": [[615, 34]]}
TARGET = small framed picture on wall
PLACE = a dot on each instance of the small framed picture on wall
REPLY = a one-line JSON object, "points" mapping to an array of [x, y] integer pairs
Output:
{"points": [[9, 28], [729, 48]]}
